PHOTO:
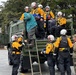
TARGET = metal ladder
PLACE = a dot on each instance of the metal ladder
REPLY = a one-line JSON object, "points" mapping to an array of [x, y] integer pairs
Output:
{"points": [[31, 64]]}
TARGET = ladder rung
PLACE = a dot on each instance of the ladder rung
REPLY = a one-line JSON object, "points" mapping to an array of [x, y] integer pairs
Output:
{"points": [[36, 73], [37, 64], [31, 51], [33, 55]]}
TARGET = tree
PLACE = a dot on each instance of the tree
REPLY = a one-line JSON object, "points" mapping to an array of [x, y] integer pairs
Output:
{"points": [[13, 9]]}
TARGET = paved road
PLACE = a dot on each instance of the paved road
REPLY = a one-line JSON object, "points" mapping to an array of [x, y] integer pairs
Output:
{"points": [[5, 69]]}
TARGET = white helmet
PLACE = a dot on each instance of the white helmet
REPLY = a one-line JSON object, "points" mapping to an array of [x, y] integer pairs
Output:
{"points": [[26, 7], [51, 37], [59, 13], [63, 32], [33, 4], [14, 37], [40, 6], [47, 7]]}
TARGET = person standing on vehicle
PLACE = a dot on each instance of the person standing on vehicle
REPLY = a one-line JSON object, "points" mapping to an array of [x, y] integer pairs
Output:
{"points": [[16, 52], [50, 21], [30, 24], [74, 52], [61, 22], [49, 51], [40, 17], [63, 46]]}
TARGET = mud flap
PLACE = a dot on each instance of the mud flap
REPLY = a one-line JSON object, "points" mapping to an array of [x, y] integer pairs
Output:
{"points": [[25, 63]]}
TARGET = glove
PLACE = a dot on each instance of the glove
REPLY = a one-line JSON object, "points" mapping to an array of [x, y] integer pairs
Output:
{"points": [[25, 40], [23, 44], [44, 24], [43, 51]]}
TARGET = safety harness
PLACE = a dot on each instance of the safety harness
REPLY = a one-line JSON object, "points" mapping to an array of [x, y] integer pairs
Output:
{"points": [[63, 46]]}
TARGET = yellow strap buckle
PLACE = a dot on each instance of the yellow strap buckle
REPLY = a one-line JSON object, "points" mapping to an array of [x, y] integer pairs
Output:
{"points": [[44, 25], [17, 52], [61, 49]]}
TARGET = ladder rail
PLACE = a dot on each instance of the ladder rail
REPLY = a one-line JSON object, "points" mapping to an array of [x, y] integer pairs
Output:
{"points": [[30, 57], [38, 58], [31, 62]]}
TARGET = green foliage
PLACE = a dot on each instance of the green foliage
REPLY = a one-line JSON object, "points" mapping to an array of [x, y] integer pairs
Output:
{"points": [[14, 8]]}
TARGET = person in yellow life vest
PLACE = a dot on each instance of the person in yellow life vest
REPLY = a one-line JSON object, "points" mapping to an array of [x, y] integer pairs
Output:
{"points": [[49, 14], [63, 46], [60, 19], [49, 51], [16, 52], [50, 21], [40, 17], [37, 11], [61, 22], [13, 39]]}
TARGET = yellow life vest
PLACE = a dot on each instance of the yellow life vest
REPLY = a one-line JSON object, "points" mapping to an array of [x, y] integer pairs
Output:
{"points": [[49, 48], [61, 21], [57, 43]]}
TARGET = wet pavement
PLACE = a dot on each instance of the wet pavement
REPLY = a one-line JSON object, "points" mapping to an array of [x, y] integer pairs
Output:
{"points": [[6, 69]]}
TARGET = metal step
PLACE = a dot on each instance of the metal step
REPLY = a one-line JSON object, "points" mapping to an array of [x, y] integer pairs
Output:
{"points": [[35, 73]]}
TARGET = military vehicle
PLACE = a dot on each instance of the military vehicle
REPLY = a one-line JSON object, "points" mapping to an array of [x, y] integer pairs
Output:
{"points": [[18, 28]]}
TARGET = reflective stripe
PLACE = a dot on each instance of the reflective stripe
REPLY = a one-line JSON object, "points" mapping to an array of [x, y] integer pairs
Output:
{"points": [[16, 52], [63, 49], [13, 52]]}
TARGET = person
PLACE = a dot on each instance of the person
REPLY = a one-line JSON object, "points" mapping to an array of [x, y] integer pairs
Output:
{"points": [[16, 52], [49, 54], [9, 47], [30, 24], [50, 21], [61, 22], [40, 17], [63, 46], [74, 52]]}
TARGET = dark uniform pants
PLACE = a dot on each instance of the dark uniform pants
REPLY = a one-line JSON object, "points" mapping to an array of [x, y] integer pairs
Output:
{"points": [[16, 62], [40, 32], [64, 62], [55, 30], [51, 64], [49, 24]]}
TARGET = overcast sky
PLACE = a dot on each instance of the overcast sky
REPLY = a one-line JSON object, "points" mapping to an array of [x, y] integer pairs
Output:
{"points": [[2, 1]]}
